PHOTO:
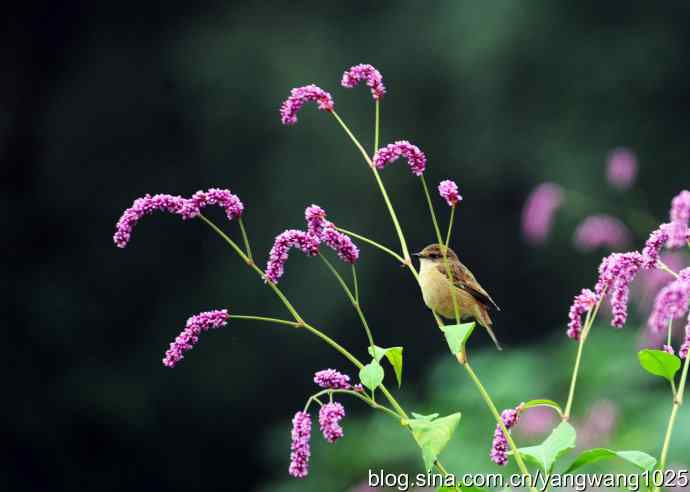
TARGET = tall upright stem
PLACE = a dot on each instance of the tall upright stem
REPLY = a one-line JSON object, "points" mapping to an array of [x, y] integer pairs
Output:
{"points": [[677, 403], [386, 199], [377, 125], [245, 238]]}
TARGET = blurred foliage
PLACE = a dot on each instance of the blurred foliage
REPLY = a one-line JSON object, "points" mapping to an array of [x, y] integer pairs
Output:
{"points": [[103, 102]]}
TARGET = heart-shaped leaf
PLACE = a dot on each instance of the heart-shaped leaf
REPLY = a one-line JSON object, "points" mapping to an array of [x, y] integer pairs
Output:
{"points": [[457, 335], [394, 356], [659, 363], [641, 460], [432, 436], [561, 441], [371, 375]]}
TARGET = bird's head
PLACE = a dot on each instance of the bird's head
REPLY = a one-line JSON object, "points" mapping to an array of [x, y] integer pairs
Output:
{"points": [[434, 253]]}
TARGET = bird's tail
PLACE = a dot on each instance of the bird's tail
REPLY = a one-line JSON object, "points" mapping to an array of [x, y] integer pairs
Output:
{"points": [[485, 320]]}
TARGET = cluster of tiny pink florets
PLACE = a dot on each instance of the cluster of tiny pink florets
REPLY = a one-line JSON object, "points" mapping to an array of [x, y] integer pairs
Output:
{"points": [[402, 148], [499, 447], [186, 340], [319, 231], [448, 190], [367, 73], [301, 95]]}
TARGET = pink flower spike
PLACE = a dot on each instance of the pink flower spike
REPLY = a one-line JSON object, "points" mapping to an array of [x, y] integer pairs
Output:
{"points": [[186, 340], [332, 379], [326, 232], [449, 192], [146, 206], [680, 207], [330, 416], [301, 95], [391, 152], [362, 72], [539, 210], [671, 302], [316, 220], [598, 231], [232, 205], [652, 248], [621, 169], [299, 449], [499, 446], [583, 302], [292, 238]]}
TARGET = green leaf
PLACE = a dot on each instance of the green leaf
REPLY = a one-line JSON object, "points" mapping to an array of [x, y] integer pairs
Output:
{"points": [[428, 418], [659, 363], [641, 460], [371, 375], [394, 356], [432, 436], [457, 335], [543, 403], [561, 441]]}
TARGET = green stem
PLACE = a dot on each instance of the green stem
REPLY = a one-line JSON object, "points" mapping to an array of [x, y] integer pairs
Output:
{"points": [[352, 298], [662, 266], [439, 238], [489, 403], [589, 321], [372, 243], [389, 205], [677, 403], [356, 394], [266, 319], [355, 283], [450, 224], [669, 333], [377, 121], [245, 238]]}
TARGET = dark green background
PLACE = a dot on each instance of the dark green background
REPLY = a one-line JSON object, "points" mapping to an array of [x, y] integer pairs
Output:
{"points": [[105, 101]]}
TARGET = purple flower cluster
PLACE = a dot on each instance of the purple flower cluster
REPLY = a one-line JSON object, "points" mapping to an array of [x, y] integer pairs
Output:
{"points": [[683, 352], [187, 208], [186, 340], [449, 192], [621, 170], [652, 248], [583, 302], [299, 449], [391, 152], [616, 272], [539, 210], [319, 230], [671, 302], [330, 416], [367, 73], [601, 231], [499, 447], [332, 379], [679, 233], [668, 349], [301, 95], [292, 238]]}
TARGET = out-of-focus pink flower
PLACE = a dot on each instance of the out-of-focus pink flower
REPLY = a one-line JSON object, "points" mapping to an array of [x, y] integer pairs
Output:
{"points": [[301, 95], [678, 231], [649, 282], [539, 210], [599, 424], [536, 421], [598, 231], [621, 169], [668, 349], [367, 73], [671, 302]]}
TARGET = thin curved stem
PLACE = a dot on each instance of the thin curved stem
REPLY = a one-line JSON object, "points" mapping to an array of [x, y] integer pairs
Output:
{"points": [[372, 243], [437, 230], [356, 394], [677, 403], [352, 298], [450, 225], [492, 407], [389, 205], [589, 321], [662, 266], [377, 125], [355, 282], [266, 319], [245, 238]]}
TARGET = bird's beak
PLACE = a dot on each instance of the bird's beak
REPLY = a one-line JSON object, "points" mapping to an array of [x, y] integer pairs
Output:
{"points": [[418, 255]]}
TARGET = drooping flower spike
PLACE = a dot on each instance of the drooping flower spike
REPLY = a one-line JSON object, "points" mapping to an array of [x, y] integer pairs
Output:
{"points": [[292, 238], [402, 148], [301, 95], [598, 231], [449, 192], [187, 208], [299, 449], [652, 248], [330, 416], [499, 446], [671, 302], [539, 211], [329, 235], [186, 340], [679, 233], [616, 272], [367, 73], [583, 302]]}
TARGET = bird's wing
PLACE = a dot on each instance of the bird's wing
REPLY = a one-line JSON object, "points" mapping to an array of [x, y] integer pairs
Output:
{"points": [[465, 280]]}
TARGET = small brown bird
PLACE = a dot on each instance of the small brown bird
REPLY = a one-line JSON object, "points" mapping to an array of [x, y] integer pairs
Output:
{"points": [[473, 301]]}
